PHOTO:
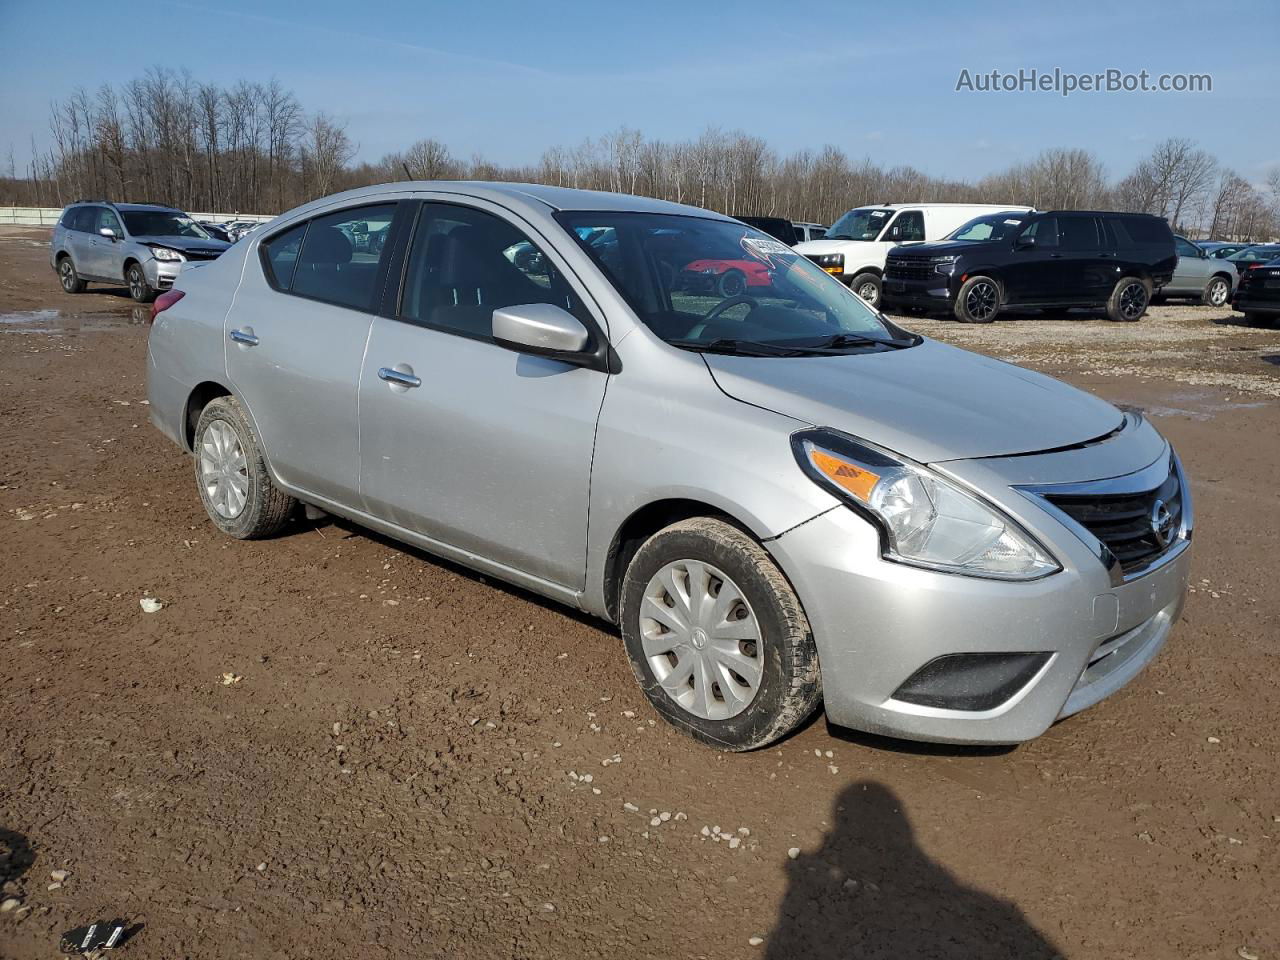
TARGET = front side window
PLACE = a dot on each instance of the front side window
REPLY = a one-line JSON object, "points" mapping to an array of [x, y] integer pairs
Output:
{"points": [[993, 226], [1044, 231], [721, 286], [465, 263], [1186, 248], [908, 226], [863, 223], [107, 219], [162, 223], [335, 262]]}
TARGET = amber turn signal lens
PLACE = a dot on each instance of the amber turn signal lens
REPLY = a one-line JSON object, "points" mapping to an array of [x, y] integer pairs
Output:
{"points": [[856, 480]]}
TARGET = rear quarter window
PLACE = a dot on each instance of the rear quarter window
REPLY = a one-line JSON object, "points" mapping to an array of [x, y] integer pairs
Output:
{"points": [[1139, 231]]}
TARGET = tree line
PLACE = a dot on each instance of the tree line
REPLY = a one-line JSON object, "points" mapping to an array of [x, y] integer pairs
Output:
{"points": [[251, 147]]}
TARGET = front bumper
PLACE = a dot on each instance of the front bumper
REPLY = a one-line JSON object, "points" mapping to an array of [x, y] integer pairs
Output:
{"points": [[161, 273], [934, 294], [1245, 303], [876, 623]]}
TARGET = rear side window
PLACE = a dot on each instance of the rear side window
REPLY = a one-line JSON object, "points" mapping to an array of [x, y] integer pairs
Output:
{"points": [[1077, 233], [908, 226], [340, 256], [465, 263], [281, 256], [1136, 231]]}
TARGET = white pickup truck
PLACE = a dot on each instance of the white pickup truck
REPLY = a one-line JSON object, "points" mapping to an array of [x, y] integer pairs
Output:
{"points": [[856, 245]]}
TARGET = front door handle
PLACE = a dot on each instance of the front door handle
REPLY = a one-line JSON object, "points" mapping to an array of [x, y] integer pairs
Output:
{"points": [[245, 337], [397, 378]]}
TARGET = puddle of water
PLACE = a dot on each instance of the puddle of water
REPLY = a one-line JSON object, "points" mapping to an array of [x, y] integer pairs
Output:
{"points": [[56, 322], [1198, 406]]}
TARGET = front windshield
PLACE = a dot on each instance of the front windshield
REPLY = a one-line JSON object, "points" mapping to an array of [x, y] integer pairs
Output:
{"points": [[162, 223], [864, 223], [724, 287], [1254, 254], [991, 226]]}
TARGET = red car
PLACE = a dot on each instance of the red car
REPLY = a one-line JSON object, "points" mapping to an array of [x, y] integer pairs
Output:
{"points": [[728, 278]]}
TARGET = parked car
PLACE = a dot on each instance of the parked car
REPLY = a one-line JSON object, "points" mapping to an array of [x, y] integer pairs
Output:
{"points": [[1199, 276], [855, 246], [215, 230], [777, 227], [809, 231], [1050, 260], [781, 497], [1242, 260], [1258, 295], [139, 245], [1219, 249], [239, 228]]}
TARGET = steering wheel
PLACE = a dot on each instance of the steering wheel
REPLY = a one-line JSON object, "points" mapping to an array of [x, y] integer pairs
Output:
{"points": [[724, 305]]}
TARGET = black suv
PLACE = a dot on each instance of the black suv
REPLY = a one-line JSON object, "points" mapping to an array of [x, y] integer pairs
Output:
{"points": [[1055, 259]]}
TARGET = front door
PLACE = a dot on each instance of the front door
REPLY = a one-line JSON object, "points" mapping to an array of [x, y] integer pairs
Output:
{"points": [[295, 340], [463, 441], [1034, 271]]}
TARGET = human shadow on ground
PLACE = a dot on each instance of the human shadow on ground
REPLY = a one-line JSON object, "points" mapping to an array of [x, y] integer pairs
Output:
{"points": [[870, 892], [16, 855]]}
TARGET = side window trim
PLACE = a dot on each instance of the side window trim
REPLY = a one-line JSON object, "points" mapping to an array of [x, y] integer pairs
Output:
{"points": [[264, 257], [606, 360]]}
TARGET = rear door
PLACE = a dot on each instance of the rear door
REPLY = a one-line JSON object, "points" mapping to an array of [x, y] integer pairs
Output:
{"points": [[295, 341], [80, 239], [463, 441], [1085, 264], [1193, 269]]}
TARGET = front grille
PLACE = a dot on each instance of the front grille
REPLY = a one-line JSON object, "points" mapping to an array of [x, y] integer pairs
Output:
{"points": [[900, 268], [1125, 522], [202, 254]]}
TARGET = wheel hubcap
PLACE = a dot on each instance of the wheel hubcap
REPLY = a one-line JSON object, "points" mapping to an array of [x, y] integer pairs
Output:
{"points": [[135, 282], [223, 469], [701, 639], [1133, 300], [981, 301], [68, 277], [1218, 295], [868, 292]]}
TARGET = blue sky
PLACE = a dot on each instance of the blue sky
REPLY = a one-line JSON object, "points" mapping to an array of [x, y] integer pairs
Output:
{"points": [[509, 79]]}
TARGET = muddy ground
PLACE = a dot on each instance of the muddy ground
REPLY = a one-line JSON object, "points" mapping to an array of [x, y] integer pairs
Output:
{"points": [[329, 745]]}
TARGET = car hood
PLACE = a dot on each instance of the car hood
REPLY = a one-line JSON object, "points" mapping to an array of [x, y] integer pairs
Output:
{"points": [[812, 248], [942, 248], [931, 402], [186, 244]]}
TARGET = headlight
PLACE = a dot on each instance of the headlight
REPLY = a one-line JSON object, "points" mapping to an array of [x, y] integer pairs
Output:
{"points": [[944, 264], [925, 520], [830, 262], [164, 253]]}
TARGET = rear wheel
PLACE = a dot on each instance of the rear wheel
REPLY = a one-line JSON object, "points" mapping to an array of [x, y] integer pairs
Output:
{"points": [[68, 277], [867, 286], [139, 288], [716, 636], [978, 300], [1129, 300], [235, 486], [1216, 292]]}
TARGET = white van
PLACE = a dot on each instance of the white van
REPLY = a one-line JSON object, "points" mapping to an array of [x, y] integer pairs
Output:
{"points": [[856, 245]]}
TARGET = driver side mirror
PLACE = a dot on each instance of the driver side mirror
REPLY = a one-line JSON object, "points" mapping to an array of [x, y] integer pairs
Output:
{"points": [[1024, 242], [107, 232], [543, 329]]}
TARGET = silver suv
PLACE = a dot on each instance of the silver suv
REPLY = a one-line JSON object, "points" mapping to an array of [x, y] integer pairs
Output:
{"points": [[142, 246], [781, 498]]}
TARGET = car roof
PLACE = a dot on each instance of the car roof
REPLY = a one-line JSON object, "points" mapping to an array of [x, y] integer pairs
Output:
{"points": [[535, 195]]}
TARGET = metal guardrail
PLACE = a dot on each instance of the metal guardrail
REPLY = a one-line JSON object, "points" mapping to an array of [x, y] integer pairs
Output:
{"points": [[48, 216]]}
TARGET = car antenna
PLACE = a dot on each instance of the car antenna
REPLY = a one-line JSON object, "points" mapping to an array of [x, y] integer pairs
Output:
{"points": [[407, 174]]}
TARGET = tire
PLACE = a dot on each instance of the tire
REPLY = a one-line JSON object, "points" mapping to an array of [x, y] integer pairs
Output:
{"points": [[784, 661], [732, 283], [68, 276], [867, 286], [1216, 292], [262, 507], [978, 300], [139, 288], [1253, 318], [1129, 300]]}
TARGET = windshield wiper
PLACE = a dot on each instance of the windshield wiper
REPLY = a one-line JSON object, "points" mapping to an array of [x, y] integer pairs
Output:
{"points": [[745, 348], [838, 236], [859, 340]]}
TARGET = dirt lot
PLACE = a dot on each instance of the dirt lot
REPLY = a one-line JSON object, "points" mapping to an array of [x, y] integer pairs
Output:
{"points": [[328, 745]]}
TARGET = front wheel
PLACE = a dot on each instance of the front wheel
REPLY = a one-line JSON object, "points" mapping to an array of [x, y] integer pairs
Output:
{"points": [[978, 300], [716, 636], [732, 283], [867, 286], [139, 288], [235, 485], [1129, 300]]}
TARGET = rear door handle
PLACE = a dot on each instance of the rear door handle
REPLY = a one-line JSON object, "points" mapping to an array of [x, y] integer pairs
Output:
{"points": [[242, 336], [398, 378]]}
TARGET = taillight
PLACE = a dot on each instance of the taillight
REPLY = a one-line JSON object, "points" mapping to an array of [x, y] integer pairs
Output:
{"points": [[164, 302]]}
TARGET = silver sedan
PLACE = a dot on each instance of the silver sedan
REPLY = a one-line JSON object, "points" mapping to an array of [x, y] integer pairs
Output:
{"points": [[780, 497]]}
